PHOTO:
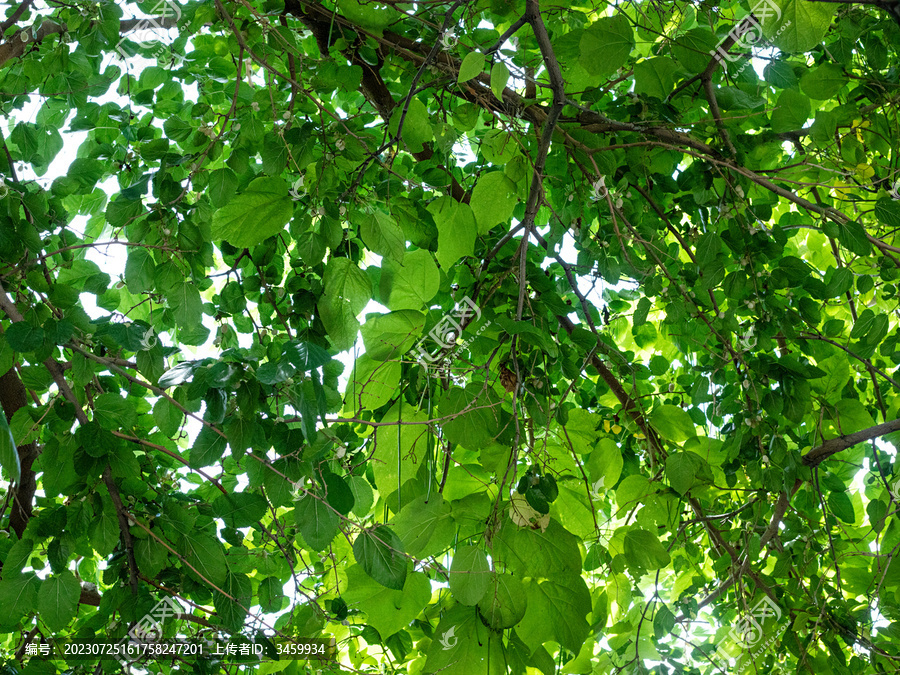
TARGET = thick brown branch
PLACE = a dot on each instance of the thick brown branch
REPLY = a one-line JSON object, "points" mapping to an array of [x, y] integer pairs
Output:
{"points": [[12, 398], [15, 16], [822, 452], [123, 526]]}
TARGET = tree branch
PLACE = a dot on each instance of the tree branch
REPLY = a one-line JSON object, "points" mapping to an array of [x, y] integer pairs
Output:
{"points": [[15, 16], [123, 526], [831, 447]]}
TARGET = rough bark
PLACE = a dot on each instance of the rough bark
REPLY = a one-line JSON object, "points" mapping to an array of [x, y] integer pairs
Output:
{"points": [[13, 398]]}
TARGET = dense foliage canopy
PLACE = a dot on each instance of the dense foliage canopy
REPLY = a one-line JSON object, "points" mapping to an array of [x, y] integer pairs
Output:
{"points": [[483, 336]]}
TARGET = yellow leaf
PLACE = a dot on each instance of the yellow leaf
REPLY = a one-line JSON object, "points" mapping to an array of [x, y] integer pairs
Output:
{"points": [[864, 171]]}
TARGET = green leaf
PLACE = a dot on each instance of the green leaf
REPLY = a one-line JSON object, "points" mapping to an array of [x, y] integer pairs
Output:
{"points": [[259, 212], [475, 415], [187, 307], [338, 493], [167, 417], [470, 575], [888, 211], [18, 595], [852, 235], [373, 383], [644, 551], [655, 76], [672, 423], [205, 555], [9, 456], [340, 322], [113, 412], [239, 509], [105, 528], [681, 470], [231, 613], [663, 622], [388, 336], [799, 26], [387, 610], [606, 45], [140, 270], [318, 522], [18, 555], [57, 601], [208, 448], [456, 230], [345, 281], [824, 82], [416, 125], [863, 324], [403, 454], [641, 312], [472, 66], [23, 337], [222, 186], [379, 552], [493, 200], [415, 282], [151, 556], [463, 645], [504, 603], [425, 526], [605, 465], [780, 74], [271, 594], [841, 505], [556, 610], [536, 553], [382, 235], [499, 78], [692, 50], [792, 110], [363, 495]]}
